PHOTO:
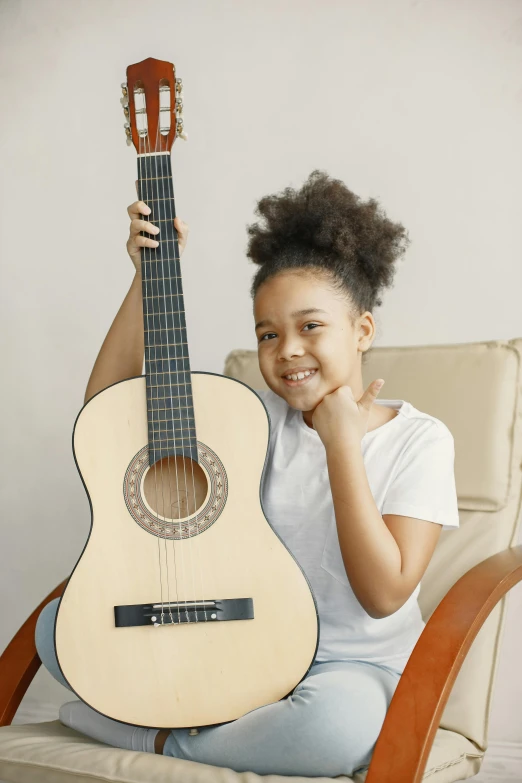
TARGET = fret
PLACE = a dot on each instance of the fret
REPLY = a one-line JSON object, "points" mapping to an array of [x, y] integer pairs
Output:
{"points": [[167, 329], [166, 386], [161, 415], [170, 432], [155, 397], [186, 433], [164, 383], [150, 200], [171, 397], [175, 409], [179, 408], [155, 286], [157, 296], [155, 317], [152, 316], [163, 312], [162, 296], [165, 345], [153, 404], [158, 410], [162, 258], [181, 430], [159, 220], [171, 372], [169, 285], [174, 331], [168, 424], [165, 361], [166, 443]]}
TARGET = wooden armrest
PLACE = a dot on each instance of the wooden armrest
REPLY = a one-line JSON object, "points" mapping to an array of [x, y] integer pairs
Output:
{"points": [[413, 717], [19, 663]]}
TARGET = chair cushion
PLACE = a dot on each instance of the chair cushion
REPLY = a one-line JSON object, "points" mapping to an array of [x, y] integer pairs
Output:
{"points": [[52, 753]]}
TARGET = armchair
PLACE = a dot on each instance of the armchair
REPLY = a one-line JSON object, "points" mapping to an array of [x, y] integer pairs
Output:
{"points": [[437, 724]]}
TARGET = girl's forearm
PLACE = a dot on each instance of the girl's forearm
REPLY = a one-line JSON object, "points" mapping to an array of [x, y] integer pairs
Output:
{"points": [[121, 355], [371, 556]]}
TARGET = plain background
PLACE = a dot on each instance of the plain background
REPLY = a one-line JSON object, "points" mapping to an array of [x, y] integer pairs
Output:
{"points": [[417, 104]]}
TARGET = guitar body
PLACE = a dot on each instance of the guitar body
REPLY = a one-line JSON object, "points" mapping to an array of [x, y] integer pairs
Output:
{"points": [[201, 671]]}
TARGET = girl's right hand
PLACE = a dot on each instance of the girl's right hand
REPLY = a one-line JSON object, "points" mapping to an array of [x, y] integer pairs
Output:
{"points": [[136, 241]]}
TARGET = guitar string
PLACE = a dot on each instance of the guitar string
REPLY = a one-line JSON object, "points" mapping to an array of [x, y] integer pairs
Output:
{"points": [[144, 268], [165, 169], [153, 163]]}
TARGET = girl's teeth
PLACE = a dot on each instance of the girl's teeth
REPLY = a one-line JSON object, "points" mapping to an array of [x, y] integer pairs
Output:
{"points": [[299, 376]]}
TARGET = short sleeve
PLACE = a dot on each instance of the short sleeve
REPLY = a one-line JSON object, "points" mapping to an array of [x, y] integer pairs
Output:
{"points": [[424, 484]]}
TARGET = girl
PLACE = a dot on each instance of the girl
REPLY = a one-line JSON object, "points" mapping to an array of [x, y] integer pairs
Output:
{"points": [[358, 488]]}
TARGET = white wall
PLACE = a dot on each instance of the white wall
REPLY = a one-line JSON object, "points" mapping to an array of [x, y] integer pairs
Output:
{"points": [[418, 104]]}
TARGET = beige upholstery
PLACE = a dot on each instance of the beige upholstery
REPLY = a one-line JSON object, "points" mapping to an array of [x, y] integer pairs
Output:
{"points": [[475, 389]]}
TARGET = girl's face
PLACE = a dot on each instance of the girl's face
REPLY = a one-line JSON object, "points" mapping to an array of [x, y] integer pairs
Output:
{"points": [[290, 340]]}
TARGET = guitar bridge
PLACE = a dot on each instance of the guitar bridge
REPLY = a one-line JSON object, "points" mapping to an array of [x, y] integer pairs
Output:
{"points": [[179, 612]]}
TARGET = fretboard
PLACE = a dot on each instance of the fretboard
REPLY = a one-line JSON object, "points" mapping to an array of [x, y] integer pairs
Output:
{"points": [[170, 410]]}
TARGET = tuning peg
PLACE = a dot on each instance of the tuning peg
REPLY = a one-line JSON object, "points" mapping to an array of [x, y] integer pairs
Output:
{"points": [[129, 141], [126, 125], [124, 101], [179, 130]]}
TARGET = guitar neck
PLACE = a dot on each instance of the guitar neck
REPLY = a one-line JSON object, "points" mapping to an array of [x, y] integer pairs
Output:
{"points": [[170, 409]]}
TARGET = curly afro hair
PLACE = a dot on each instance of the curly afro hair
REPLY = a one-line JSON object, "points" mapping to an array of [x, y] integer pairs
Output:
{"points": [[325, 229]]}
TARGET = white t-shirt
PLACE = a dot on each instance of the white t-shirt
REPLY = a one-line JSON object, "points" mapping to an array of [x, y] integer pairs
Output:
{"points": [[409, 462]]}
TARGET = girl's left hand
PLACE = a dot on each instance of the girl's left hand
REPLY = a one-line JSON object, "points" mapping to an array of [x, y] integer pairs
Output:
{"points": [[339, 416]]}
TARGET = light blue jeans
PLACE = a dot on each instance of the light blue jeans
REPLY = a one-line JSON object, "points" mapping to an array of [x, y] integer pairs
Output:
{"points": [[327, 726]]}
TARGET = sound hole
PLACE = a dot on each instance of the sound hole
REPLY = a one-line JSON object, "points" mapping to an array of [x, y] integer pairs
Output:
{"points": [[175, 487]]}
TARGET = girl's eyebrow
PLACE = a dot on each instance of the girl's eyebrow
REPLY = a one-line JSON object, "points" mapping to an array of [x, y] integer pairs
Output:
{"points": [[296, 314]]}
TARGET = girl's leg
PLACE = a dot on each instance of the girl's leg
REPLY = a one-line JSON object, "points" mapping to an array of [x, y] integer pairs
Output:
{"points": [[327, 727], [44, 640], [120, 735]]}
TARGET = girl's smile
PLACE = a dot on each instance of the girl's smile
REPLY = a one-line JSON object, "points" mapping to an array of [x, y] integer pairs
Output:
{"points": [[301, 381]]}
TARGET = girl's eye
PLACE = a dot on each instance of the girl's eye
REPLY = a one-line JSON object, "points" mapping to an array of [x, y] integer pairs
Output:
{"points": [[270, 333]]}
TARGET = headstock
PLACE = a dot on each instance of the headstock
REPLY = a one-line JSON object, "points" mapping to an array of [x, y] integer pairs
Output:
{"points": [[153, 104]]}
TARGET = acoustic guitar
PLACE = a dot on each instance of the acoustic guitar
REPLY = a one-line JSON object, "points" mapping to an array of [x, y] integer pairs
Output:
{"points": [[185, 608]]}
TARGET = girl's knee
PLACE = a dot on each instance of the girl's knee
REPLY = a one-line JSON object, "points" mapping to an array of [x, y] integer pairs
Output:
{"points": [[45, 625], [343, 715], [44, 640]]}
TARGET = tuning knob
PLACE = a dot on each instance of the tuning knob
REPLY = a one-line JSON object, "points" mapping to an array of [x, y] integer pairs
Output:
{"points": [[179, 130]]}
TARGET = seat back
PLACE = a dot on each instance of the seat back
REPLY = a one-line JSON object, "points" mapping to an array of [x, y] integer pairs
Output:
{"points": [[475, 389]]}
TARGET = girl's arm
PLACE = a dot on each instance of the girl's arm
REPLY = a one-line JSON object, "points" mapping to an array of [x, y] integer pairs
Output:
{"points": [[121, 355], [384, 560]]}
